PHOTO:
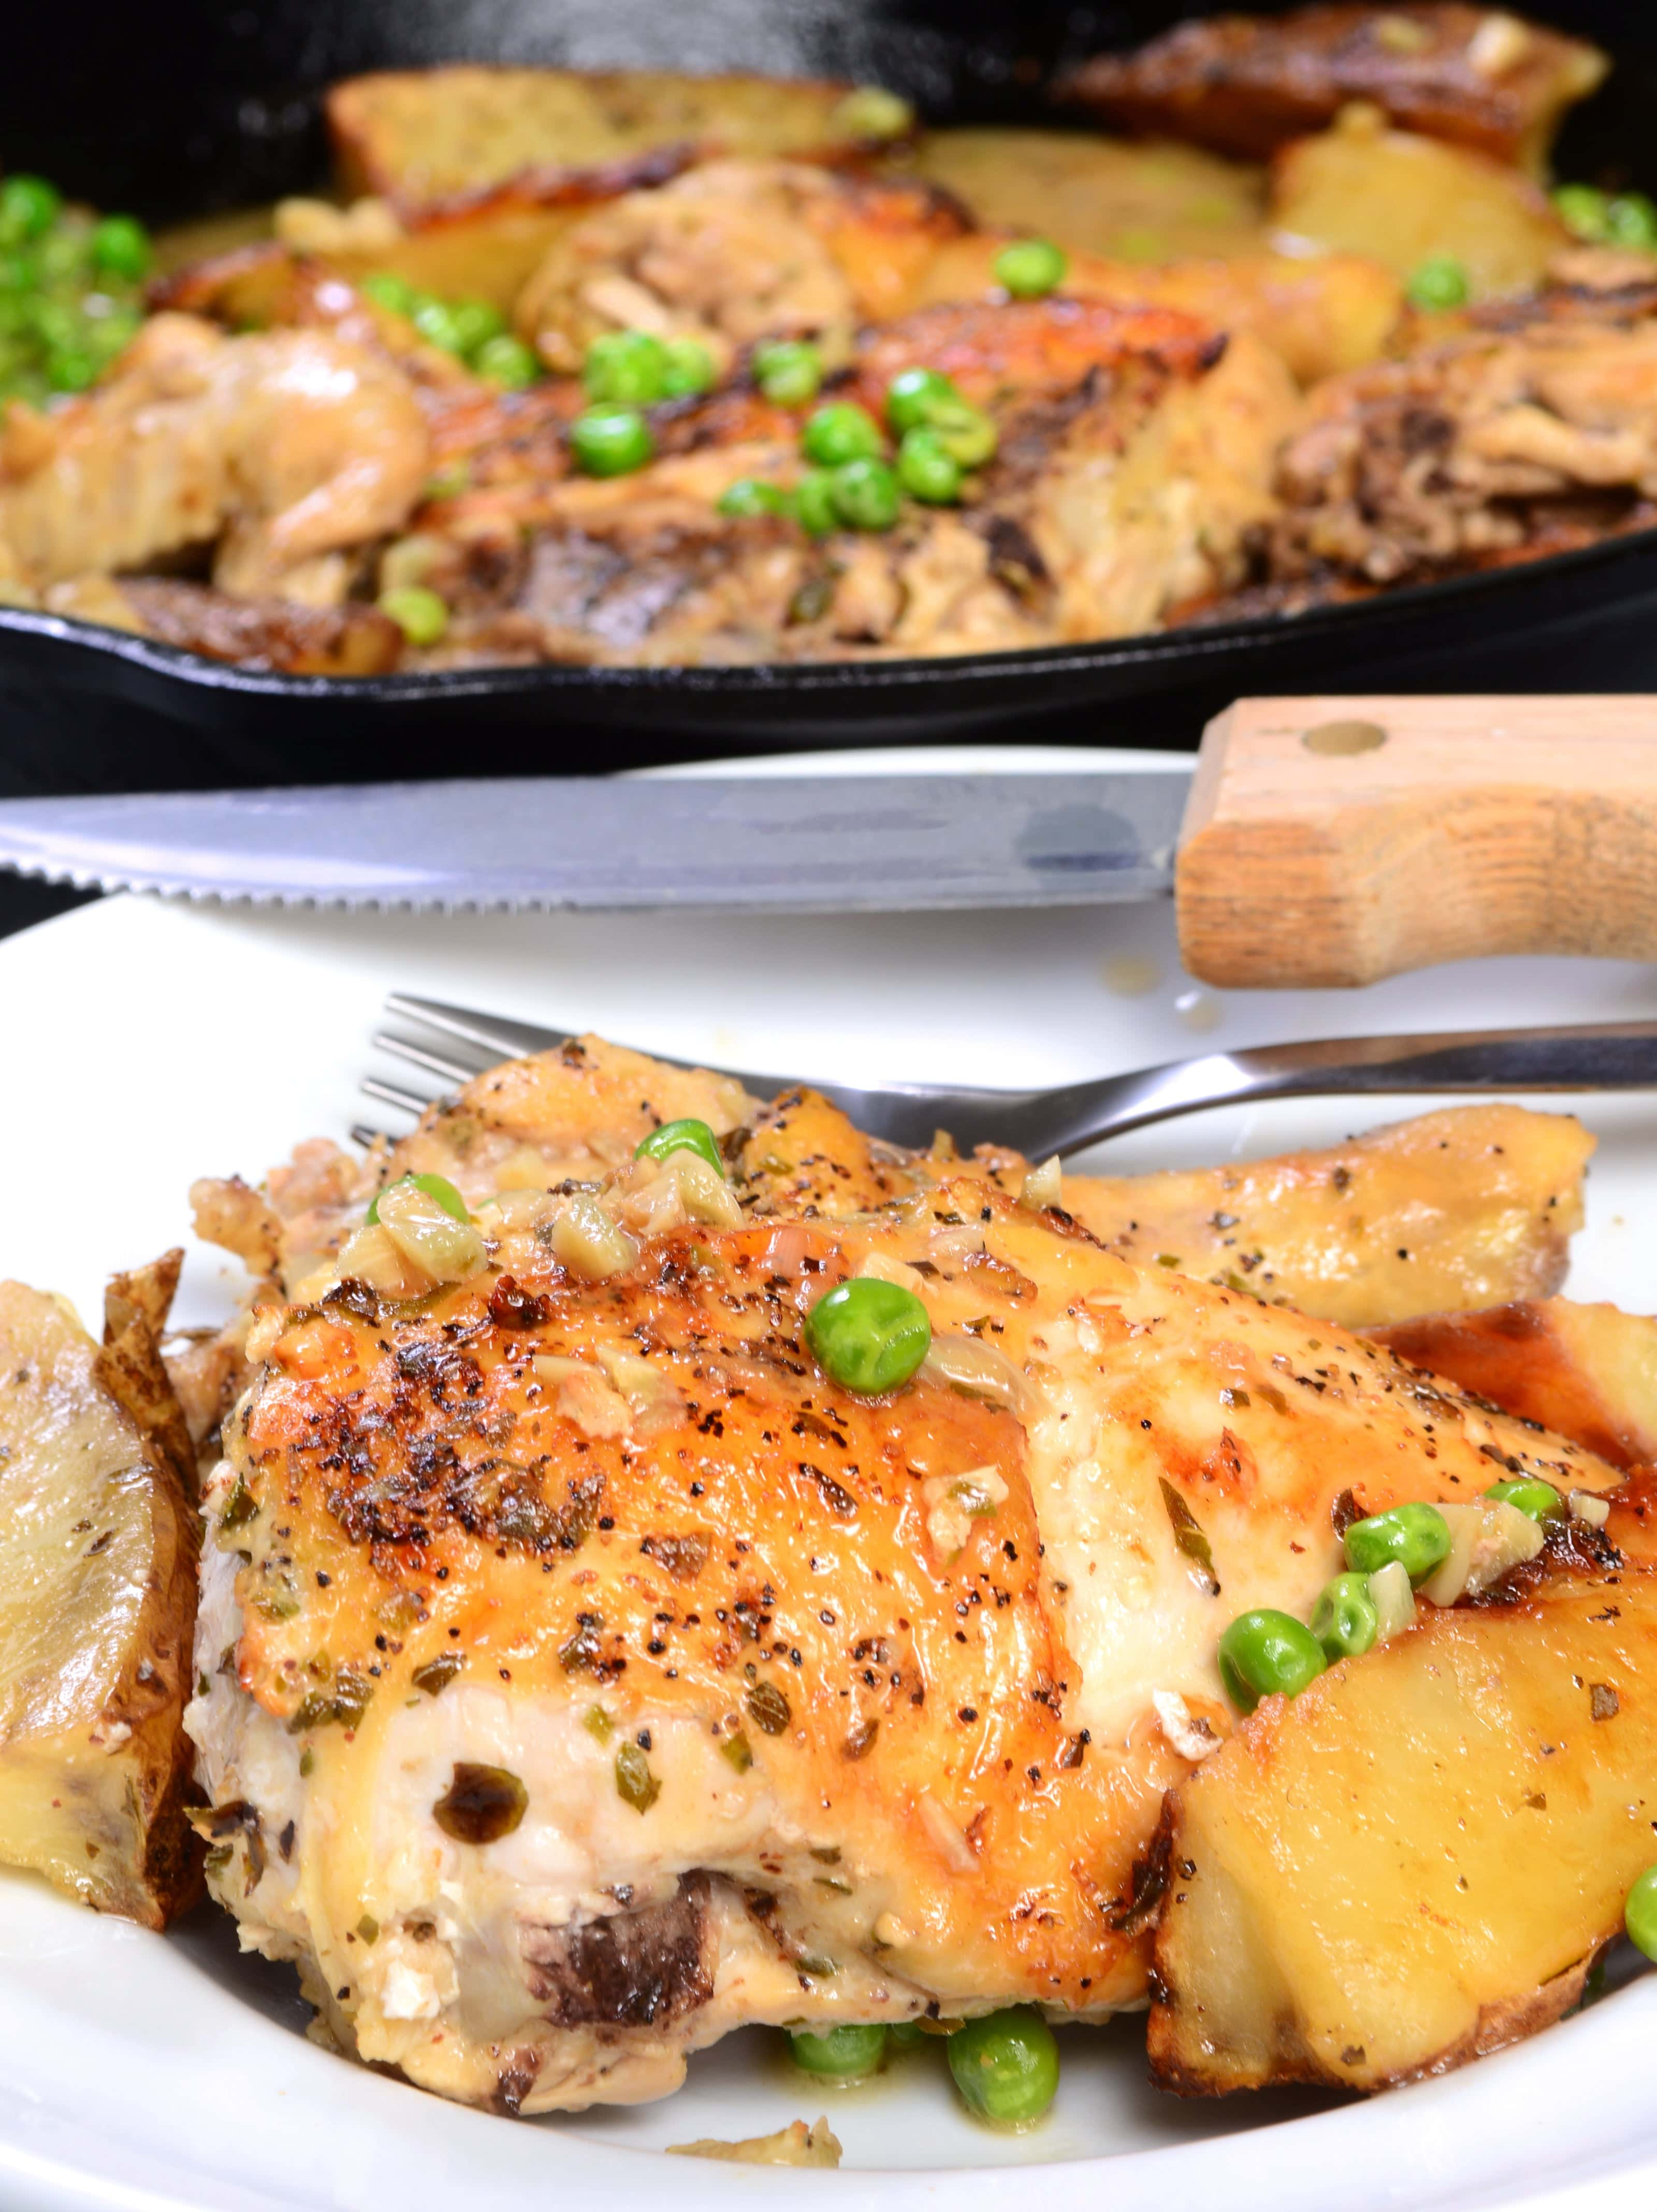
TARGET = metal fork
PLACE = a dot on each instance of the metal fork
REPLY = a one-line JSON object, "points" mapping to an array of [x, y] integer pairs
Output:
{"points": [[454, 1043]]}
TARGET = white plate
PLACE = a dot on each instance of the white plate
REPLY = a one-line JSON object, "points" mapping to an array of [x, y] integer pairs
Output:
{"points": [[149, 1043]]}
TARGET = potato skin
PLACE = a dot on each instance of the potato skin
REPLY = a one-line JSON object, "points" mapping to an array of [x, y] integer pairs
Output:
{"points": [[94, 1767], [1489, 1755]]}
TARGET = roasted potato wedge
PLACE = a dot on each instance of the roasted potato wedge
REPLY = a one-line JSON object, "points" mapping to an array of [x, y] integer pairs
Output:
{"points": [[1404, 199], [1587, 1371], [1419, 1859], [1244, 84], [97, 1609], [423, 138], [1145, 204], [1454, 1209]]}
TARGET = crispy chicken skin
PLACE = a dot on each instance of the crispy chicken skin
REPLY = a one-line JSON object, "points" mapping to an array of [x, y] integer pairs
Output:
{"points": [[1247, 84], [586, 1673], [286, 447]]}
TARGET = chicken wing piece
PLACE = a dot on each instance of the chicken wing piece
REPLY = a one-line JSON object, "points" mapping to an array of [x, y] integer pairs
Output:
{"points": [[287, 449], [1247, 84], [589, 1673]]}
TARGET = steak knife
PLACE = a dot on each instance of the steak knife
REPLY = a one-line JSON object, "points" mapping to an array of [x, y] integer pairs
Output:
{"points": [[1320, 842]]}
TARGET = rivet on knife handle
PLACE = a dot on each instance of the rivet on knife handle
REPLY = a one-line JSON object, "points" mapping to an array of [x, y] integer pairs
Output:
{"points": [[1338, 841]]}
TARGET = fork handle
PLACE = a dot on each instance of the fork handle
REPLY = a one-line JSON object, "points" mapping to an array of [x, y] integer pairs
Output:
{"points": [[1336, 841]]}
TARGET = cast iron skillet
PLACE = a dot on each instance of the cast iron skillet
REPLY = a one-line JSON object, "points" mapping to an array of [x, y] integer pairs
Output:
{"points": [[209, 104]]}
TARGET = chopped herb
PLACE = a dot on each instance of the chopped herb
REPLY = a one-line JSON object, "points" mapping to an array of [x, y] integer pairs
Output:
{"points": [[368, 1928], [635, 1784], [1189, 1538], [238, 1508], [437, 1673], [598, 1723], [738, 1749]]}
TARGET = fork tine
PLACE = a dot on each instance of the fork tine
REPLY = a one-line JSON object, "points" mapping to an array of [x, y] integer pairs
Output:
{"points": [[388, 1094], [367, 1138], [418, 1055], [493, 1033]]}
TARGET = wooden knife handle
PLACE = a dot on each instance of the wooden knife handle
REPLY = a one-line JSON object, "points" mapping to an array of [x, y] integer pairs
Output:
{"points": [[1338, 841]]}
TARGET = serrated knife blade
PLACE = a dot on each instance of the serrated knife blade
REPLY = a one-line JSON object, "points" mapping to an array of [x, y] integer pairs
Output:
{"points": [[828, 844]]}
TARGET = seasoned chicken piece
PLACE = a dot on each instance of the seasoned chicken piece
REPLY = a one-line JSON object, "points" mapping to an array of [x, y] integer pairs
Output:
{"points": [[1464, 453], [1136, 450], [1321, 314], [1450, 1210], [605, 1675], [288, 449], [1587, 1371], [736, 251], [353, 639], [1245, 84]]}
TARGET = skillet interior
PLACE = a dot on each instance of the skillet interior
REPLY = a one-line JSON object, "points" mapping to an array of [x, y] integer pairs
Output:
{"points": [[214, 107]]}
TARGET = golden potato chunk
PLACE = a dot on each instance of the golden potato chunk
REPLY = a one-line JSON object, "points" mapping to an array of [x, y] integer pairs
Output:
{"points": [[1417, 1861], [97, 1606], [422, 137], [1402, 200]]}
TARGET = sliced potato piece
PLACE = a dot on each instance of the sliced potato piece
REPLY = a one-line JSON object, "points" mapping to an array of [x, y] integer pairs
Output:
{"points": [[421, 137], [1469, 1207], [1402, 200], [1587, 1371], [97, 1609], [1417, 1861]]}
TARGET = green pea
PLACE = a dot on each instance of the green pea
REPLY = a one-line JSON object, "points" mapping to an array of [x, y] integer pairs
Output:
{"points": [[476, 322], [1417, 1536], [1538, 1500], [121, 247], [686, 1136], [928, 469], [1631, 220], [814, 503], [688, 369], [914, 394], [29, 206], [612, 441], [869, 1335], [423, 617], [1265, 1652], [753, 495], [1440, 282], [506, 361], [840, 432], [844, 2054], [1583, 210], [904, 2035], [1030, 269], [1006, 2066], [434, 319], [19, 272], [434, 1186], [1345, 1620], [872, 112], [389, 291], [625, 368], [965, 432], [1640, 1913], [73, 369], [789, 372], [866, 494], [110, 334]]}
